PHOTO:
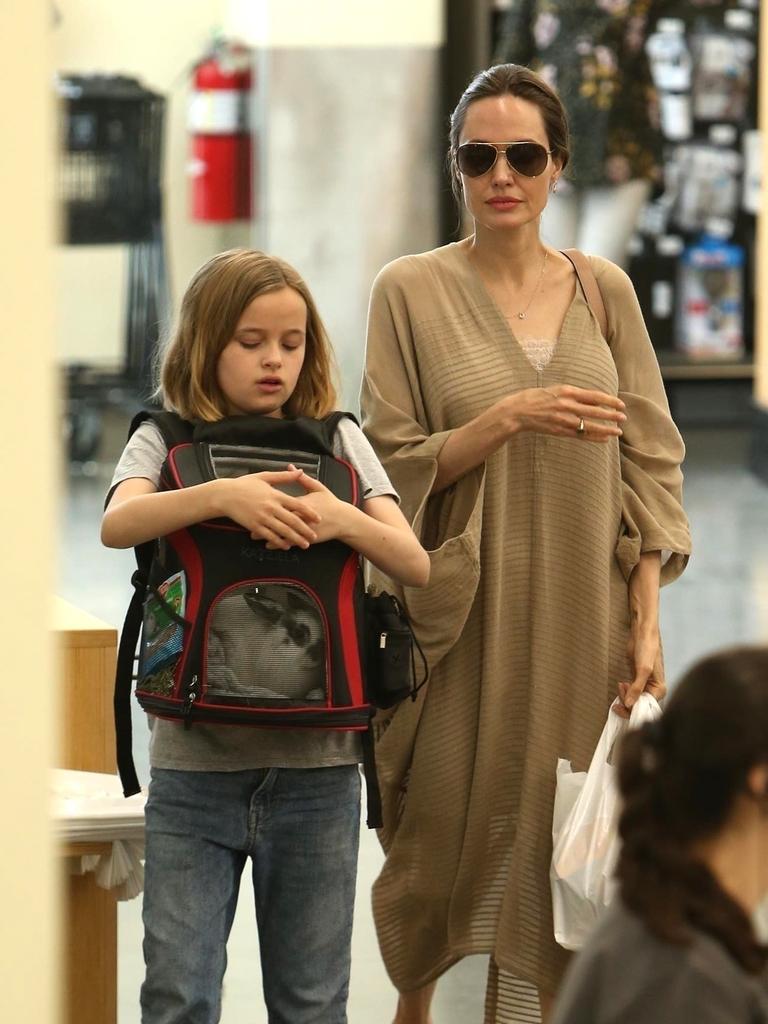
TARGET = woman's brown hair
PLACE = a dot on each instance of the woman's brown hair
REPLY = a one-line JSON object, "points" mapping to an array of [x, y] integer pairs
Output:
{"points": [[679, 778], [510, 80], [214, 301]]}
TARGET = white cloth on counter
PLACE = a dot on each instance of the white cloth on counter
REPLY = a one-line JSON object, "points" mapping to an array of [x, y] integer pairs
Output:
{"points": [[90, 807]]}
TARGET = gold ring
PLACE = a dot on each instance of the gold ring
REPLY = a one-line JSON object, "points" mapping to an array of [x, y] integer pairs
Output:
{"points": [[580, 429]]}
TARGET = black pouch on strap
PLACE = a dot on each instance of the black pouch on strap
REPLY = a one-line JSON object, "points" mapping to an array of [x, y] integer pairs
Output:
{"points": [[390, 658]]}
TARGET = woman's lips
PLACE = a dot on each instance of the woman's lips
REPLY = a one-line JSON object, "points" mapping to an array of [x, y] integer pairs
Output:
{"points": [[503, 204]]}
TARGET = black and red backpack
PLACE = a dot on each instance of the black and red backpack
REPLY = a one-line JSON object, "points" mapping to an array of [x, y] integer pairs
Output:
{"points": [[233, 633]]}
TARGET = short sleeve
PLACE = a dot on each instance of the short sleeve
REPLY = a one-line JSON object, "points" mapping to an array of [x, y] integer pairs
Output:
{"points": [[651, 448], [351, 444], [143, 456]]}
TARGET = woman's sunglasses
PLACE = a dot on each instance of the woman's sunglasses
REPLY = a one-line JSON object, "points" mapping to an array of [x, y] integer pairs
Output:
{"points": [[527, 158]]}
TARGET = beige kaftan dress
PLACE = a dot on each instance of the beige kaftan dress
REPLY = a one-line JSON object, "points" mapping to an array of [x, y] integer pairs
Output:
{"points": [[525, 620]]}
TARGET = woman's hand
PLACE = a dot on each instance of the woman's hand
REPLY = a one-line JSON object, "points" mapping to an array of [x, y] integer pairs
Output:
{"points": [[644, 642], [254, 502], [644, 650], [561, 409]]}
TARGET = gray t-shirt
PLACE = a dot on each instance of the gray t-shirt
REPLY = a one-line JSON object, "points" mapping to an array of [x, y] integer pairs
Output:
{"points": [[625, 975], [238, 748]]}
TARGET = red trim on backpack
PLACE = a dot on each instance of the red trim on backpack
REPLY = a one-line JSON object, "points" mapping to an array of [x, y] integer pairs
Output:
{"points": [[189, 556], [348, 629]]}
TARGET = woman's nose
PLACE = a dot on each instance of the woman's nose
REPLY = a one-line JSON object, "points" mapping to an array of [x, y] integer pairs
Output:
{"points": [[501, 171]]}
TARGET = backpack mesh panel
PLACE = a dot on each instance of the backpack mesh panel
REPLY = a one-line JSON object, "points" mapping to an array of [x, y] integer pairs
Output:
{"points": [[265, 642]]}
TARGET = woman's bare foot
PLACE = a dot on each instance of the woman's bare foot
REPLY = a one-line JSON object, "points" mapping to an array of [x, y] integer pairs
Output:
{"points": [[413, 1007]]}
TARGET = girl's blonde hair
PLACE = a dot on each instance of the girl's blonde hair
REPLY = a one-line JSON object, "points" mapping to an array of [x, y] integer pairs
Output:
{"points": [[213, 303]]}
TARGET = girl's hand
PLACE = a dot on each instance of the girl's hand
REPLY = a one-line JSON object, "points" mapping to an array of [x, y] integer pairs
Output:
{"points": [[644, 649], [327, 510], [559, 410], [254, 502]]}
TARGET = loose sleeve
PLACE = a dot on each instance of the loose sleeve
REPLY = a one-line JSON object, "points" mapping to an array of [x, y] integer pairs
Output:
{"points": [[651, 448], [396, 420]]}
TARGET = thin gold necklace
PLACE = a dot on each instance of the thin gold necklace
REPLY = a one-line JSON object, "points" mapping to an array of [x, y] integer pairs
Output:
{"points": [[524, 313]]}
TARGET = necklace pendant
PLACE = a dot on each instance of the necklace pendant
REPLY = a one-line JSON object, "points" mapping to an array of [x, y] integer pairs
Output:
{"points": [[521, 316]]}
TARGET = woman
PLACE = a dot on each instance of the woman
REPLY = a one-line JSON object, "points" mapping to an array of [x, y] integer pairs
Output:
{"points": [[540, 466], [680, 945]]}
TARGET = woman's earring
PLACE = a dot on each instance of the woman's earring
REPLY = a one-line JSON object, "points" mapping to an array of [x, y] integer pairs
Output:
{"points": [[554, 185]]}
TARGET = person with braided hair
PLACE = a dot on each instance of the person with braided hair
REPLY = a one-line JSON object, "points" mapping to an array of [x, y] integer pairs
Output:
{"points": [[679, 945]]}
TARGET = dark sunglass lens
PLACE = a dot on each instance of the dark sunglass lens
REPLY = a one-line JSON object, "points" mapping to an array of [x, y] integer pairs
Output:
{"points": [[529, 158], [475, 158]]}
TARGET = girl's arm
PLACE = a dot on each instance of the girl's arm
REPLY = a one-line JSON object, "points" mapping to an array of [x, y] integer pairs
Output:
{"points": [[379, 532], [138, 512]]}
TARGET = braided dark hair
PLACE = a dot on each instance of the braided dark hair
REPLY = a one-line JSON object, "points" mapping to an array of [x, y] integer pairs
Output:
{"points": [[679, 778]]}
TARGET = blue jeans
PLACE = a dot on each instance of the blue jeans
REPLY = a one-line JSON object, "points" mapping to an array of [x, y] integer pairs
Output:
{"points": [[301, 829]]}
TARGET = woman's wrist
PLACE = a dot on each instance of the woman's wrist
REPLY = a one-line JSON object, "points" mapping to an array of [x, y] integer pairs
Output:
{"points": [[501, 421]]}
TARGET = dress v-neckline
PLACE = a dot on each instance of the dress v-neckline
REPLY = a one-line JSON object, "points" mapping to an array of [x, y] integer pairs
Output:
{"points": [[482, 292]]}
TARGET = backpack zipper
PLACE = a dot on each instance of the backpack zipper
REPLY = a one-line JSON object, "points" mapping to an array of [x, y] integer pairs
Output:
{"points": [[190, 699]]}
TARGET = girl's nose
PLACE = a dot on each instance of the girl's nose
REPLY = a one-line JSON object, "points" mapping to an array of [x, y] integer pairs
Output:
{"points": [[272, 356]]}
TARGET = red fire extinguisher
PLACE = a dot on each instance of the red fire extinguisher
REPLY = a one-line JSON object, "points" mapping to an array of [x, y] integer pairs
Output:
{"points": [[218, 122]]}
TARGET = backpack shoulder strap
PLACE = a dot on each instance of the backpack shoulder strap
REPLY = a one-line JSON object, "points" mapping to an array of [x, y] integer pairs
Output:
{"points": [[174, 429], [331, 422], [589, 286]]}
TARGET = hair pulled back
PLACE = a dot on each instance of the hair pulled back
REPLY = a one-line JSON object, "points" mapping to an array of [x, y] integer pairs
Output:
{"points": [[510, 80], [679, 778]]}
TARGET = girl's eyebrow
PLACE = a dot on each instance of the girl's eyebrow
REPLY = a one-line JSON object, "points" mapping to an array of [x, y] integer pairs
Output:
{"points": [[260, 330]]}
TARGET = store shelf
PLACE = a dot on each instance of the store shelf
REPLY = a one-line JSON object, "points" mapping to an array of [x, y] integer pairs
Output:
{"points": [[679, 366]]}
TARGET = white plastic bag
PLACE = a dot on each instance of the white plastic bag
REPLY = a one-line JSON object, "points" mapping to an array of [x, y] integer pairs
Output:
{"points": [[585, 842]]}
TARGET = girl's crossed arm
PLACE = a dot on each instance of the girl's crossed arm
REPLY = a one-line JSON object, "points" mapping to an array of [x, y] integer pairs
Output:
{"points": [[379, 531], [138, 512]]}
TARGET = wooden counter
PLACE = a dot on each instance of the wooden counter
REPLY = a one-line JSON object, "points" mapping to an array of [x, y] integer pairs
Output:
{"points": [[87, 654]]}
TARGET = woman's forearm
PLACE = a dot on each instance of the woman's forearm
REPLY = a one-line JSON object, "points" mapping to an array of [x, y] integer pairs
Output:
{"points": [[469, 446], [644, 589]]}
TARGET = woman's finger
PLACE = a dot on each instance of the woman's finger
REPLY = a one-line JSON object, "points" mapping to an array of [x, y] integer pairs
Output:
{"points": [[589, 397]]}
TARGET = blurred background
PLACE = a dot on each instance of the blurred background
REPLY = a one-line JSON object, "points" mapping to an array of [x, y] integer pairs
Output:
{"points": [[318, 133]]}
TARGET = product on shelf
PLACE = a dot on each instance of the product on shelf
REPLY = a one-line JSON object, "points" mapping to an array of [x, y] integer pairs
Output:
{"points": [[752, 151], [706, 174], [671, 69], [722, 61], [711, 309]]}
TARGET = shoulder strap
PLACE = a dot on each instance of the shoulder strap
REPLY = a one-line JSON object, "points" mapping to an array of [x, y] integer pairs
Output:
{"points": [[174, 429], [589, 286], [332, 421]]}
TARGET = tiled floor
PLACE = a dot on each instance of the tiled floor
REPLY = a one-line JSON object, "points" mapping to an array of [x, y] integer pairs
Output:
{"points": [[721, 599]]}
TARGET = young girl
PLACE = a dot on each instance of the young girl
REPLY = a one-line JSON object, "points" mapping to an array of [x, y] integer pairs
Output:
{"points": [[250, 341]]}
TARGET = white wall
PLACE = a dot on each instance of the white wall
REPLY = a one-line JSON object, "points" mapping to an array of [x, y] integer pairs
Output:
{"points": [[156, 41], [28, 895]]}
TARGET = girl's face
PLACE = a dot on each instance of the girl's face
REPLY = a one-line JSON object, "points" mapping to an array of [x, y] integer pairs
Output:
{"points": [[503, 198], [259, 367]]}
